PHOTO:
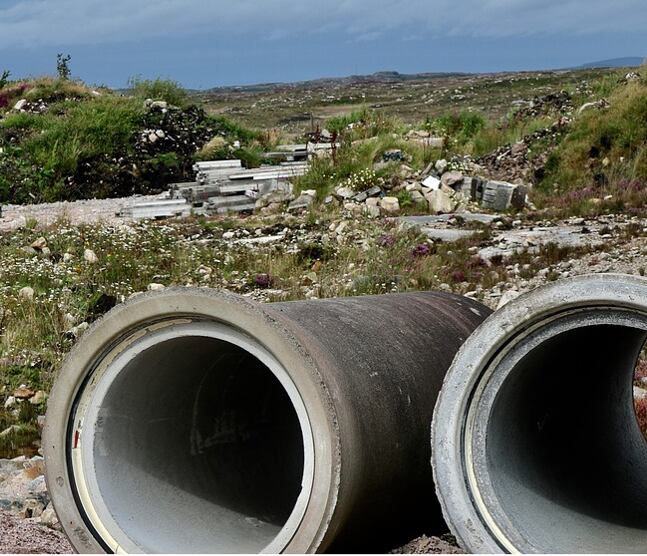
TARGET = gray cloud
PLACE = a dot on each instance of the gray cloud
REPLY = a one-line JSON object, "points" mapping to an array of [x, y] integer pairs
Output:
{"points": [[39, 23]]}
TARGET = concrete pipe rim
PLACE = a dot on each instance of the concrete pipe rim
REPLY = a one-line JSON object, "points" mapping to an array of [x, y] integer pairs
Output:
{"points": [[131, 328], [459, 434]]}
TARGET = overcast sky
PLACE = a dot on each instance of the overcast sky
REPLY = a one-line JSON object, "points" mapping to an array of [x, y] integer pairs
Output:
{"points": [[204, 43]]}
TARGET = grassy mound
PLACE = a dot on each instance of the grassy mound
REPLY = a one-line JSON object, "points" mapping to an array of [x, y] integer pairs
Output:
{"points": [[67, 141]]}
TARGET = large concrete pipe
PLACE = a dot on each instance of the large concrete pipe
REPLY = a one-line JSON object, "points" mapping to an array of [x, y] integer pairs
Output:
{"points": [[196, 421], [536, 446]]}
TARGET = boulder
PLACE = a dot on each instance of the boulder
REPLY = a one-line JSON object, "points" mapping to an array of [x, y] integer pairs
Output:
{"points": [[417, 197], [303, 201], [451, 178], [90, 256], [343, 193], [26, 293], [372, 211], [390, 205], [440, 201], [274, 196], [156, 287], [499, 195], [441, 166], [39, 244]]}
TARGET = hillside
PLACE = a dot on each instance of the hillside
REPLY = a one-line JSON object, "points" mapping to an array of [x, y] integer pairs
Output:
{"points": [[62, 140], [628, 62]]}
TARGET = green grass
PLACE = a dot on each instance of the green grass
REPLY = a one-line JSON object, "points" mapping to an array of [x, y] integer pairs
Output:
{"points": [[88, 130], [85, 143], [159, 89], [495, 135], [603, 154]]}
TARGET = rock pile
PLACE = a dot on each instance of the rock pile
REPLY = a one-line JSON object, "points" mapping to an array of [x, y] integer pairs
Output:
{"points": [[34, 107], [560, 102], [443, 187], [523, 161], [23, 491]]}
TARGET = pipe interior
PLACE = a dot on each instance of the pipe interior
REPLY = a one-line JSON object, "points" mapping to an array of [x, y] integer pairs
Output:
{"points": [[565, 457], [200, 449]]}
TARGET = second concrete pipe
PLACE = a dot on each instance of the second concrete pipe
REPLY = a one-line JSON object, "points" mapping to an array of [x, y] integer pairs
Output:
{"points": [[195, 421], [536, 444]]}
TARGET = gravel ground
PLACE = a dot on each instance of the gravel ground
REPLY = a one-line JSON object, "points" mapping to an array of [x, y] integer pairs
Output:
{"points": [[21, 536], [77, 212], [445, 544], [623, 254]]}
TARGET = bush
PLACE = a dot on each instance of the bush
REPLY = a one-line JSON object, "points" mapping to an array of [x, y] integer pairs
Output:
{"points": [[461, 127], [63, 66], [4, 78], [159, 89]]}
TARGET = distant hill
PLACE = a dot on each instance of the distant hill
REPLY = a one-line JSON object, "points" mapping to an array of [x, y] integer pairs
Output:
{"points": [[630, 62], [378, 77]]}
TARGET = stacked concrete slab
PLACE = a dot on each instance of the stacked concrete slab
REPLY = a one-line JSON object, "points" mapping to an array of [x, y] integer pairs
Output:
{"points": [[492, 195]]}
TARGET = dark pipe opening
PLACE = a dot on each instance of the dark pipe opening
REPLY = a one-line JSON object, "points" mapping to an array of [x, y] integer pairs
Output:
{"points": [[565, 455], [198, 449]]}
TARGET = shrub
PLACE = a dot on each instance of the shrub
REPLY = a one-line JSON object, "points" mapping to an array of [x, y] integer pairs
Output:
{"points": [[4, 78], [461, 127], [63, 66], [159, 89]]}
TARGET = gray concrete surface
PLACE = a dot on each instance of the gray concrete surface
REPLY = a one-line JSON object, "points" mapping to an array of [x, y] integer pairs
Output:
{"points": [[536, 447], [212, 423]]}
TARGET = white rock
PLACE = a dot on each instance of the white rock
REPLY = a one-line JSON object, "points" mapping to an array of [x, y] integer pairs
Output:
{"points": [[439, 201], [441, 166], [90, 256], [639, 393], [20, 104], [9, 402], [68, 257], [80, 329], [344, 193], [390, 204], [49, 517], [39, 244], [342, 226], [156, 287], [432, 182], [229, 235], [27, 293], [38, 398]]}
